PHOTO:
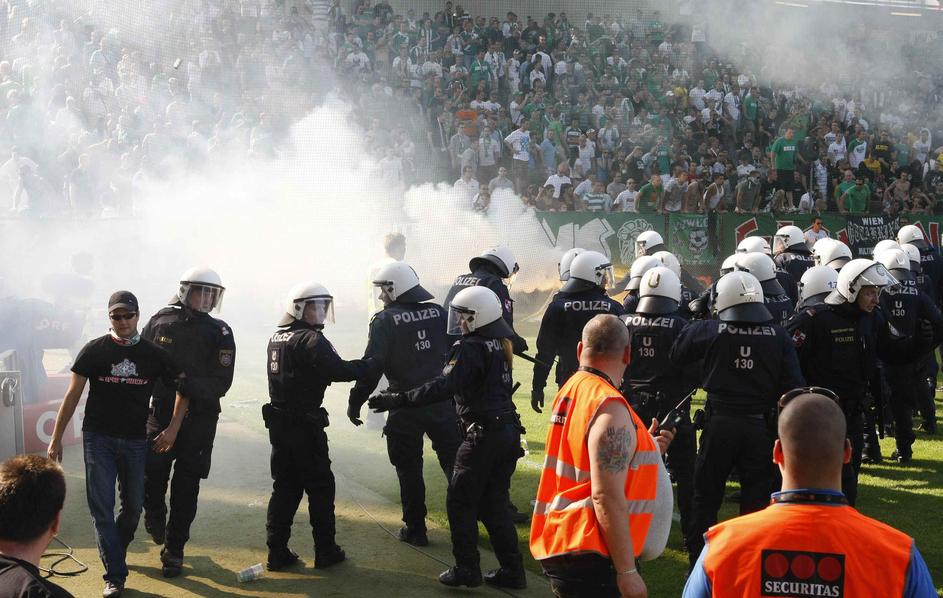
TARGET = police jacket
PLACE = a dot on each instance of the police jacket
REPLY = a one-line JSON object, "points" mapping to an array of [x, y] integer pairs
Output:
{"points": [[562, 328], [932, 266], [630, 303], [477, 376], [839, 345], [485, 277], [409, 343], [781, 307], [302, 363], [905, 305], [795, 261], [789, 284], [203, 347], [650, 367], [746, 366]]}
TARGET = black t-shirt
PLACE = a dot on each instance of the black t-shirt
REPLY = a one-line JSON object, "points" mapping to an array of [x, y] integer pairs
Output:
{"points": [[121, 379], [20, 579]]}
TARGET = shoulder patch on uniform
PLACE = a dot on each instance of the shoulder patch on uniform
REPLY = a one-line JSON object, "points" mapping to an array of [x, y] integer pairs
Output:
{"points": [[164, 340], [226, 357], [225, 330], [798, 338]]}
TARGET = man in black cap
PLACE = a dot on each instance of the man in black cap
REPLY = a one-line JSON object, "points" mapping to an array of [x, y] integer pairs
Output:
{"points": [[121, 369]]}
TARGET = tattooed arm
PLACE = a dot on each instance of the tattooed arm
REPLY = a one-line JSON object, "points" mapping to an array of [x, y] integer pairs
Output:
{"points": [[612, 442]]}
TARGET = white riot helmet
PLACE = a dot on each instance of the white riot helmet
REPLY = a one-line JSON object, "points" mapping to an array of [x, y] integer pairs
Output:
{"points": [[834, 255], [786, 237], [913, 254], [646, 241], [751, 244], [588, 270], [397, 281], [660, 292], [911, 234], [729, 264], [201, 289], [477, 309], [816, 283], [739, 298], [303, 294], [818, 247], [856, 275], [640, 266], [670, 261], [896, 261], [502, 258], [565, 262], [763, 268], [883, 246]]}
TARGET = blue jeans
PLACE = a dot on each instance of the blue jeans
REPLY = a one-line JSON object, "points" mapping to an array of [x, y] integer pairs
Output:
{"points": [[109, 459]]}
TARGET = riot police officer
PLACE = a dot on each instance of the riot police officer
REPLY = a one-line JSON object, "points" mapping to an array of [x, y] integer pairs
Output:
{"points": [[302, 363], [653, 384], [650, 243], [670, 261], [839, 344], [478, 379], [489, 270], [775, 298], [204, 346], [815, 285], [786, 281], [916, 269], [905, 306], [565, 260], [640, 266], [748, 363], [790, 252], [831, 252], [582, 297], [408, 340]]}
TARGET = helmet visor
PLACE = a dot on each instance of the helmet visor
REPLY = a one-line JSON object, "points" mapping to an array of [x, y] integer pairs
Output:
{"points": [[384, 294], [876, 276], [203, 298], [509, 281], [640, 248], [607, 281], [779, 244], [460, 320], [318, 311]]}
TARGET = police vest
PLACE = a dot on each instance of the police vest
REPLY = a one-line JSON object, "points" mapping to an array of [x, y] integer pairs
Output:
{"points": [[804, 550], [564, 519]]}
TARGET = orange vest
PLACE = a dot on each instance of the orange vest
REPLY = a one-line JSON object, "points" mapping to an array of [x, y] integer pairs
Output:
{"points": [[564, 519], [806, 549]]}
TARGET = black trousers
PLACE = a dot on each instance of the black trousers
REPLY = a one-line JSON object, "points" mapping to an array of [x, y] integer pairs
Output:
{"points": [[300, 465], [905, 383], [926, 399], [479, 489], [190, 459], [727, 442], [404, 431], [581, 576], [681, 455], [849, 473]]}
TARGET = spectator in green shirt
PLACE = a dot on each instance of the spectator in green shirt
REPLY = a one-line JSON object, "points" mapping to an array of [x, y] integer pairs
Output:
{"points": [[855, 200], [782, 155], [650, 195]]}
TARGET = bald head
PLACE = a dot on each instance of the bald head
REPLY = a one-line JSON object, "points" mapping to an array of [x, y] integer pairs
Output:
{"points": [[812, 434], [605, 337]]}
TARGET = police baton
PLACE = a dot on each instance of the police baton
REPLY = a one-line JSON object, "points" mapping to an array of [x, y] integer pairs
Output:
{"points": [[533, 360]]}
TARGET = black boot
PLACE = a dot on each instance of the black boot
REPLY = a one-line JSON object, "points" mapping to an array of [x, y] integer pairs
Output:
{"points": [[326, 558], [414, 536], [507, 577], [281, 558], [461, 576], [171, 562]]}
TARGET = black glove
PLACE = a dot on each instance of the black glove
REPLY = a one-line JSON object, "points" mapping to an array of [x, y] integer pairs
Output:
{"points": [[353, 412], [925, 332], [519, 344], [537, 399], [386, 400]]}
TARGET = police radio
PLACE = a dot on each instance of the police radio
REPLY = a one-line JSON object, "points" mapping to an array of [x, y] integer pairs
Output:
{"points": [[675, 417]]}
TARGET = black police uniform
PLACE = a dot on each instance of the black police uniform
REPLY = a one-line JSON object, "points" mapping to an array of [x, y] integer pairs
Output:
{"points": [[205, 348], [409, 342], [795, 260], [931, 266], [838, 347], [485, 274], [562, 328], [654, 385], [789, 284], [780, 305], [904, 307], [747, 366], [477, 378], [302, 363]]}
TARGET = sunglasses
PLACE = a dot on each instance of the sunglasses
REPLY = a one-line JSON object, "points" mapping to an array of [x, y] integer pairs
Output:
{"points": [[806, 390], [119, 317]]}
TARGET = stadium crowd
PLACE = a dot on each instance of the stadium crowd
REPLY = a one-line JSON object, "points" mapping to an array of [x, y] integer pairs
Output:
{"points": [[581, 115]]}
